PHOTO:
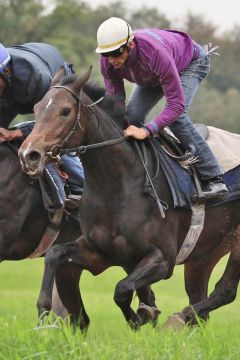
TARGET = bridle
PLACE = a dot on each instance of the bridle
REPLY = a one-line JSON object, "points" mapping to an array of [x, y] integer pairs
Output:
{"points": [[56, 150]]}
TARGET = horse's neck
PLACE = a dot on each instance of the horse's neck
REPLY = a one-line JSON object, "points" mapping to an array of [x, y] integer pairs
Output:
{"points": [[115, 169], [101, 128], [115, 166], [108, 162]]}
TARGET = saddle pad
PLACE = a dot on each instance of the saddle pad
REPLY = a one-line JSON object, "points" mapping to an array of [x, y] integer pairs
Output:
{"points": [[179, 180], [232, 180], [225, 146], [181, 184]]}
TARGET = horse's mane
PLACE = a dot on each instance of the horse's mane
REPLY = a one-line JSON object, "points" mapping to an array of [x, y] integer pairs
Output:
{"points": [[109, 104]]}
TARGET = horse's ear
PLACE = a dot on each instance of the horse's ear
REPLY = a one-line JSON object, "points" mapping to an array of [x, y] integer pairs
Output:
{"points": [[58, 76], [82, 80]]}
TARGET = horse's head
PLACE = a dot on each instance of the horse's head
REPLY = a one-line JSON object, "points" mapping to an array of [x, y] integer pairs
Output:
{"points": [[57, 118]]}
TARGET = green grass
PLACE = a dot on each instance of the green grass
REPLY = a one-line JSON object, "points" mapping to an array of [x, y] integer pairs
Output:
{"points": [[108, 336]]}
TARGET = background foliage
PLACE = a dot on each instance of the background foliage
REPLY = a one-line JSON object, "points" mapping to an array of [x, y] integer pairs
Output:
{"points": [[71, 25]]}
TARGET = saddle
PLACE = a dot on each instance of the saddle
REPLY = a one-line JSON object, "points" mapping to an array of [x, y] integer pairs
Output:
{"points": [[167, 143], [224, 145]]}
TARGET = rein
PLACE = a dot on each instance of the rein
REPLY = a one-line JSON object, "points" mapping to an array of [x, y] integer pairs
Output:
{"points": [[82, 149]]}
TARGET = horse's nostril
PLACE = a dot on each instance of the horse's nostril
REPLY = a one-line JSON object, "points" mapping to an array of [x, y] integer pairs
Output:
{"points": [[34, 156]]}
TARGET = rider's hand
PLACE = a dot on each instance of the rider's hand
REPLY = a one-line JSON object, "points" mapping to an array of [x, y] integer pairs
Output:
{"points": [[136, 133], [9, 135]]}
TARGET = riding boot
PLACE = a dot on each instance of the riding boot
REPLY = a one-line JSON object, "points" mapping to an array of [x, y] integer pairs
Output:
{"points": [[214, 188]]}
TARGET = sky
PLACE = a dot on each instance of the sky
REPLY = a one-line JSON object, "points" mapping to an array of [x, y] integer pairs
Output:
{"points": [[223, 14]]}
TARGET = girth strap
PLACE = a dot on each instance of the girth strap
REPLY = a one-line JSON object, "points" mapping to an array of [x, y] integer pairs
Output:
{"points": [[49, 237], [159, 202]]}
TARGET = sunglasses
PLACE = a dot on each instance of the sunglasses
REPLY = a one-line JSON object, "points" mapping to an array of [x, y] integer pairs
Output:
{"points": [[115, 53]]}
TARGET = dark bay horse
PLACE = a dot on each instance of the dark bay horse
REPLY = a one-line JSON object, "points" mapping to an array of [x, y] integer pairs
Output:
{"points": [[120, 224], [23, 221]]}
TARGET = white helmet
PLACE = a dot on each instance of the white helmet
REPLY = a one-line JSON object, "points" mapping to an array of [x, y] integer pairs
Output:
{"points": [[112, 34]]}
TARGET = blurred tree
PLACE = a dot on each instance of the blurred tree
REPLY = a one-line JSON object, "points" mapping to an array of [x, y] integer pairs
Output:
{"points": [[148, 18], [201, 30], [227, 72], [216, 108], [19, 20], [68, 26], [103, 12], [71, 25]]}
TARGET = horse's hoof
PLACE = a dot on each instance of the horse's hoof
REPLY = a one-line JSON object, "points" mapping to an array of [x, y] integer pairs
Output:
{"points": [[148, 313], [174, 322], [42, 317], [135, 323]]}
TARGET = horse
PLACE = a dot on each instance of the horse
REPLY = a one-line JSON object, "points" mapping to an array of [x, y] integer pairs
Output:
{"points": [[23, 220], [121, 225]]}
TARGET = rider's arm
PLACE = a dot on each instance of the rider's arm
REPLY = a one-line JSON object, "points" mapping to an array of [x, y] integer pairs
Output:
{"points": [[113, 83], [165, 69], [10, 135]]}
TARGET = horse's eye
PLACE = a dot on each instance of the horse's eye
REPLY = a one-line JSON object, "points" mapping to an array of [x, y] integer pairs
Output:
{"points": [[65, 111]]}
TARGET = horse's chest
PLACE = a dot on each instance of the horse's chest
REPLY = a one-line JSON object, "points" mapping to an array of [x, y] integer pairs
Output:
{"points": [[114, 246], [99, 238]]}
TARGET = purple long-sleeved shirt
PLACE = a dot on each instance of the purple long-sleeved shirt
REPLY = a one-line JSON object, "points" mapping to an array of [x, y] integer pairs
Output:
{"points": [[156, 60]]}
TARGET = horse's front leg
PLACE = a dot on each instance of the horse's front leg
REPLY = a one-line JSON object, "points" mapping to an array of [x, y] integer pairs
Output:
{"points": [[149, 270], [76, 253], [147, 310]]}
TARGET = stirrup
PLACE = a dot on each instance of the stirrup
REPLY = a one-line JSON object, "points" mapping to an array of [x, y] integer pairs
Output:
{"points": [[73, 201]]}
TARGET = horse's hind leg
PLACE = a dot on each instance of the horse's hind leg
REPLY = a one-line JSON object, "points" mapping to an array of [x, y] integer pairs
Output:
{"points": [[197, 275], [225, 290], [67, 282]]}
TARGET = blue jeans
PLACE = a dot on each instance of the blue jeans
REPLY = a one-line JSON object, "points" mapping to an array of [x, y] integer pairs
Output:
{"points": [[142, 100], [73, 167]]}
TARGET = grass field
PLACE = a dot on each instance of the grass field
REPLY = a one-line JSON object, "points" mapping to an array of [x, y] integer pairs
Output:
{"points": [[108, 336]]}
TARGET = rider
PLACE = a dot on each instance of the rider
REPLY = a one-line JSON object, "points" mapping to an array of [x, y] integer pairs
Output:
{"points": [[26, 72], [161, 63]]}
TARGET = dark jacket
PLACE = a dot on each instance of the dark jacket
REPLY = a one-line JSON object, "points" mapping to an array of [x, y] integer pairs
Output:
{"points": [[33, 67]]}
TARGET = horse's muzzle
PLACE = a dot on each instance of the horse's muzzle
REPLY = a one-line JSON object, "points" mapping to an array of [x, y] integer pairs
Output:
{"points": [[31, 162]]}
